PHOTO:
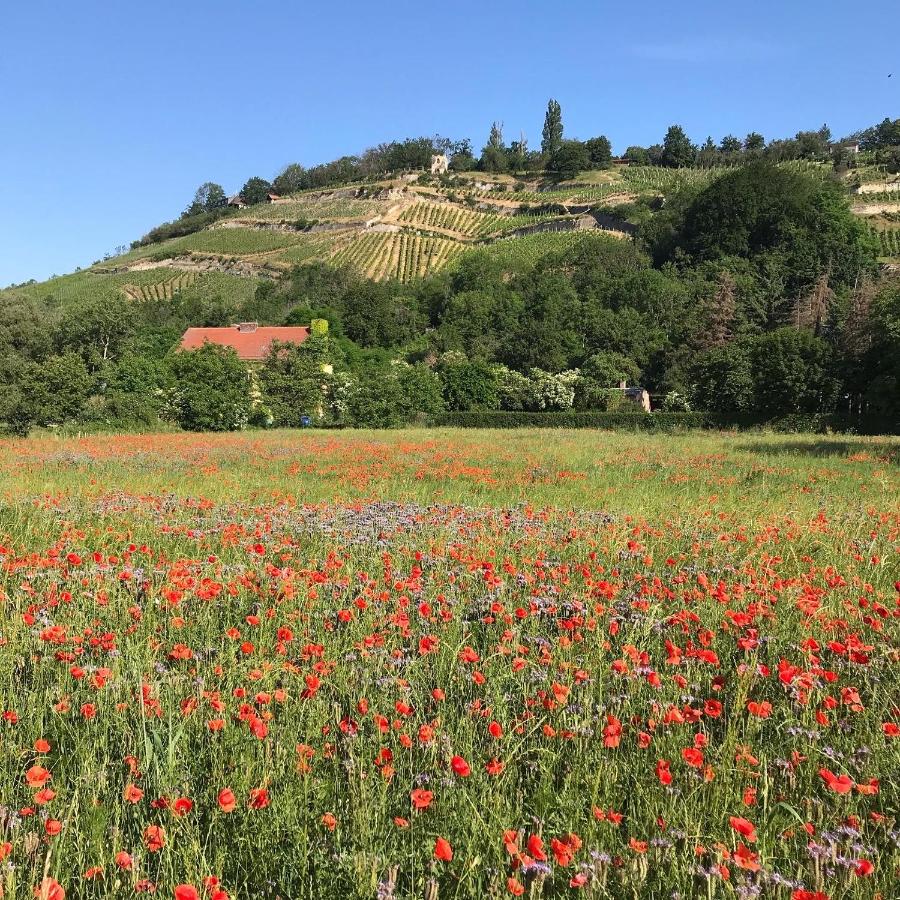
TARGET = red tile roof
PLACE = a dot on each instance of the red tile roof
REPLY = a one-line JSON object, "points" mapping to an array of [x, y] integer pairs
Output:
{"points": [[251, 343]]}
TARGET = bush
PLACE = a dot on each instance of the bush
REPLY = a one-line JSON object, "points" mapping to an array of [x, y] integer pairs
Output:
{"points": [[616, 421], [212, 389]]}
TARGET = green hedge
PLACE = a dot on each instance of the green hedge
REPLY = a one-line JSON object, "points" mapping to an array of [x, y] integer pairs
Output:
{"points": [[619, 421]]}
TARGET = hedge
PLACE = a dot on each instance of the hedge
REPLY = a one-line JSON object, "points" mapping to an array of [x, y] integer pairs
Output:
{"points": [[620, 421], [808, 423]]}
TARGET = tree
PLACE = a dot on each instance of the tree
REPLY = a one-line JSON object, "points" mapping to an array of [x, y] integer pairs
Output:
{"points": [[792, 373], [56, 390], [211, 389], [570, 158], [638, 156], [292, 381], [754, 143], [493, 156], [208, 197], [468, 385], [461, 157], [708, 155], [677, 148], [723, 381], [256, 190], [794, 226], [599, 152], [290, 180], [730, 145], [551, 136]]}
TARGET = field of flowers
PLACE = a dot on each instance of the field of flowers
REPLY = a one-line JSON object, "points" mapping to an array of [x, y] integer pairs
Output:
{"points": [[437, 664]]}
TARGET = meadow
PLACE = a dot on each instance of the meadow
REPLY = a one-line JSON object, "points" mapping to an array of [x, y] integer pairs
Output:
{"points": [[445, 664]]}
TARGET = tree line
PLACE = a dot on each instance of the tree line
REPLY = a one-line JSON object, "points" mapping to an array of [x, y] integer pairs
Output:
{"points": [[757, 298], [558, 157]]}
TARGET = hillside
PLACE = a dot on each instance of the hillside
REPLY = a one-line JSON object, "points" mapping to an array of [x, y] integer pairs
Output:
{"points": [[408, 228]]}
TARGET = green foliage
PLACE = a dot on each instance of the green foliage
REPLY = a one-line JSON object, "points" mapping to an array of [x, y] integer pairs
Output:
{"points": [[796, 226], [468, 385], [618, 421], [599, 151], [677, 148], [552, 133], [569, 158], [53, 392], [292, 383], [208, 198], [210, 389], [255, 190]]}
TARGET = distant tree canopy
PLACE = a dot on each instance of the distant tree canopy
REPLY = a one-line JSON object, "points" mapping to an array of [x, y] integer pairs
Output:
{"points": [[255, 190], [795, 228], [209, 196], [677, 148], [552, 134], [599, 151]]}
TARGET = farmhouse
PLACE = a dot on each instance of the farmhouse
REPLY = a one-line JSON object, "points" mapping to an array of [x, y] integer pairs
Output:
{"points": [[237, 200], [251, 341], [439, 164], [272, 198]]}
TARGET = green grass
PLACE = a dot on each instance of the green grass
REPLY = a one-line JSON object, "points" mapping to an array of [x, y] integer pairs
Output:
{"points": [[521, 625]]}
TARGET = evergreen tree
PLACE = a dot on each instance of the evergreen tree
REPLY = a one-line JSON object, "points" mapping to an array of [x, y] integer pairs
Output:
{"points": [[677, 148], [553, 128]]}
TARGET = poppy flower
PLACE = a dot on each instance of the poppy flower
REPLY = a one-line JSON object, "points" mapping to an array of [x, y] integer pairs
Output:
{"points": [[743, 827], [442, 850], [123, 860], [154, 838], [536, 848], [863, 868], [420, 798], [840, 784], [259, 798], [329, 820], [132, 794], [50, 889], [226, 800], [516, 888], [37, 777], [745, 858], [693, 757], [460, 767], [186, 892]]}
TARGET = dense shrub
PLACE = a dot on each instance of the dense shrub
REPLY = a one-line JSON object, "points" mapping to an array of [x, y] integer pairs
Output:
{"points": [[625, 421]]}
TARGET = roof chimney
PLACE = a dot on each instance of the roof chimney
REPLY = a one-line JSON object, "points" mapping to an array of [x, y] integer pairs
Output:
{"points": [[247, 327]]}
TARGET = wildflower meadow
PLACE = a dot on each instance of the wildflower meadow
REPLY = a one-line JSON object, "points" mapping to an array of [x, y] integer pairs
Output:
{"points": [[450, 665]]}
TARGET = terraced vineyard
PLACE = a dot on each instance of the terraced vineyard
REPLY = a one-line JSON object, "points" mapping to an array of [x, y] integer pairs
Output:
{"points": [[230, 242], [466, 222], [317, 207], [159, 290], [397, 255]]}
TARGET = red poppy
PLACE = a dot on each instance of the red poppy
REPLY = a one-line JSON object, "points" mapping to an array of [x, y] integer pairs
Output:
{"points": [[745, 858], [515, 887], [536, 848], [443, 850], [226, 800], [460, 767], [743, 827], [840, 784], [50, 889], [123, 860], [154, 838], [186, 892], [421, 799]]}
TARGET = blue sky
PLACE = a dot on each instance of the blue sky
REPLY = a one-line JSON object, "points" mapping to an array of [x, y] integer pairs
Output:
{"points": [[113, 113]]}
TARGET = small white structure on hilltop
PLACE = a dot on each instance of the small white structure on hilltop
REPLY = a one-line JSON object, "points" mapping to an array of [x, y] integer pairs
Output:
{"points": [[439, 164]]}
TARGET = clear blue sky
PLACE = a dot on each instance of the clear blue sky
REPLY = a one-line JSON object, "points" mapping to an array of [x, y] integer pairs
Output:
{"points": [[113, 113]]}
